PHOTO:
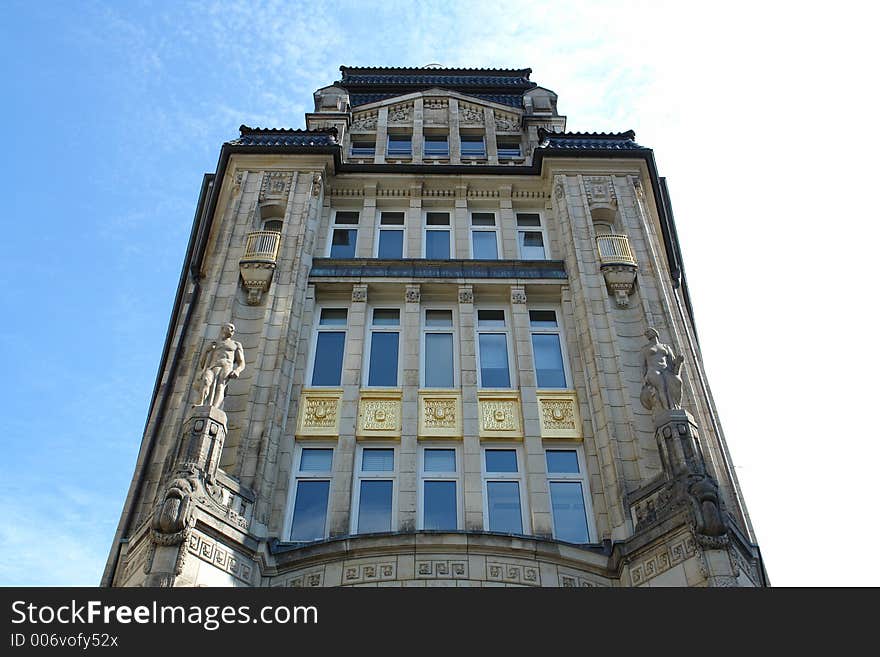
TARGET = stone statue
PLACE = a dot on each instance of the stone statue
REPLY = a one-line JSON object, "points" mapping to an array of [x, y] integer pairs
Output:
{"points": [[661, 370], [223, 360]]}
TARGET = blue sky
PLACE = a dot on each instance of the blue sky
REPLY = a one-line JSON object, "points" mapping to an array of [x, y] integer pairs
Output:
{"points": [[760, 115]]}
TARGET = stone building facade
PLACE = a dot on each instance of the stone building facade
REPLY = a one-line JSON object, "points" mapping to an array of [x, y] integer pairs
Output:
{"points": [[442, 370]]}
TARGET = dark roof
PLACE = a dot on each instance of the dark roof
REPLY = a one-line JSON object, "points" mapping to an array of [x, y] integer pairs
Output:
{"points": [[588, 141], [369, 84], [284, 137]]}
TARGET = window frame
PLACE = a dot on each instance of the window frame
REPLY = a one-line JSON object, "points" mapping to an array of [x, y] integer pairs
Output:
{"points": [[469, 137], [335, 226], [368, 344], [424, 476], [507, 330], [450, 229], [567, 477], [484, 229], [519, 476], [389, 227], [542, 229], [398, 155], [424, 329], [508, 138], [316, 329], [360, 475], [558, 330], [358, 138], [429, 136], [296, 475]]}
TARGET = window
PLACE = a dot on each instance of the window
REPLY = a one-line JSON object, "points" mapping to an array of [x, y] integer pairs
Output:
{"points": [[492, 349], [375, 491], [439, 505], [273, 225], [329, 347], [436, 146], [473, 146], [311, 492], [400, 145], [547, 349], [438, 236], [343, 237], [383, 349], [502, 491], [530, 236], [566, 483], [389, 243], [484, 236], [508, 148], [363, 147], [439, 364]]}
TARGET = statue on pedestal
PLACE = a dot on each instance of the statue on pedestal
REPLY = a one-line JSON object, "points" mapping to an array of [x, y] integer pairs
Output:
{"points": [[661, 370], [222, 361]]}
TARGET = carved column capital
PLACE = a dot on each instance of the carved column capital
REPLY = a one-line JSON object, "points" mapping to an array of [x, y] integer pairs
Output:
{"points": [[413, 293], [518, 294], [359, 293], [465, 294]]}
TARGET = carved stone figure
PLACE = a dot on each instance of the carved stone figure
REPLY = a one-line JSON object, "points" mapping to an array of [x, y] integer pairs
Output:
{"points": [[707, 508], [661, 371], [175, 515], [222, 361]]}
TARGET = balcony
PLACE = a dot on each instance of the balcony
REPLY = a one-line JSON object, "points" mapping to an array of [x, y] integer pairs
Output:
{"points": [[258, 263], [618, 265]]}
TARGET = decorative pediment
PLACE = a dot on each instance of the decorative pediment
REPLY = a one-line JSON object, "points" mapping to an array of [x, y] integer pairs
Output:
{"points": [[436, 105]]}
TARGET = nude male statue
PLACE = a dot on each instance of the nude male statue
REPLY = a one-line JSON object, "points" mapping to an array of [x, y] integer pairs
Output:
{"points": [[661, 369], [222, 361]]}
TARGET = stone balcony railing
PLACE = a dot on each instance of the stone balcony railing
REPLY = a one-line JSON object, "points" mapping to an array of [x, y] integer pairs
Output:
{"points": [[258, 263]]}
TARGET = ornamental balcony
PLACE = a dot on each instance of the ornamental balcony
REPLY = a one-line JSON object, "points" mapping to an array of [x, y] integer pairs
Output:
{"points": [[258, 263], [618, 265]]}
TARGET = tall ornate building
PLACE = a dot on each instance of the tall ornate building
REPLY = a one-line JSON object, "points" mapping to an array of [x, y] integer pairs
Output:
{"points": [[433, 340]]}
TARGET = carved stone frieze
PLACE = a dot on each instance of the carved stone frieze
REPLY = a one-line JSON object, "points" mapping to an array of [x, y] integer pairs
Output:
{"points": [[439, 414], [518, 295], [470, 114], [319, 413], [600, 191], [379, 414], [500, 414], [275, 185], [441, 569], [220, 556], [507, 123], [413, 294], [511, 572], [364, 122], [465, 294], [359, 293], [400, 113], [659, 561], [359, 573], [559, 414]]}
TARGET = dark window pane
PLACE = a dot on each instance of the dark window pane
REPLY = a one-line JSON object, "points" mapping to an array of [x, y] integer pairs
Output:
{"points": [[390, 244], [438, 318], [493, 361], [440, 505], [439, 362], [531, 245], [505, 513], [483, 219], [562, 460], [374, 509], [344, 242], [528, 219], [383, 359], [569, 514], [439, 460], [472, 145], [347, 217], [436, 145], [508, 148], [363, 148], [377, 460], [274, 225], [310, 510], [437, 219], [501, 460], [386, 317], [437, 244], [399, 145], [490, 318], [315, 460], [548, 360], [333, 316], [329, 351], [542, 318], [484, 245], [392, 219]]}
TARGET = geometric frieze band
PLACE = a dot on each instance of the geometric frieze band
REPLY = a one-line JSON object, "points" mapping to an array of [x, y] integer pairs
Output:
{"points": [[662, 560]]}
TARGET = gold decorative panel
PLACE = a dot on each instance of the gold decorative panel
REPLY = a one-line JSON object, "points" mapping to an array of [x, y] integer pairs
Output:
{"points": [[500, 414], [379, 414], [439, 414], [559, 414], [319, 413]]}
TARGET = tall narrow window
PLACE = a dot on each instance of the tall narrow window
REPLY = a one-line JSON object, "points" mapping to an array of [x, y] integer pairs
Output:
{"points": [[438, 495], [343, 236], [438, 236], [311, 492], [502, 491], [484, 236], [439, 362], [329, 347], [436, 145], [547, 349], [399, 145], [384, 347], [530, 236], [565, 480], [492, 345], [473, 146], [373, 508], [389, 244]]}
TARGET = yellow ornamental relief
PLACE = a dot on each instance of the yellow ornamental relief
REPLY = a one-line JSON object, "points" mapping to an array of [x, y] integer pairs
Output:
{"points": [[379, 414], [440, 413], [319, 413], [500, 415], [559, 414]]}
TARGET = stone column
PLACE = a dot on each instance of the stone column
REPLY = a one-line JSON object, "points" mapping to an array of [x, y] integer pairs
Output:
{"points": [[408, 477], [367, 223], [454, 135], [473, 482], [382, 135], [491, 144], [418, 135]]}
